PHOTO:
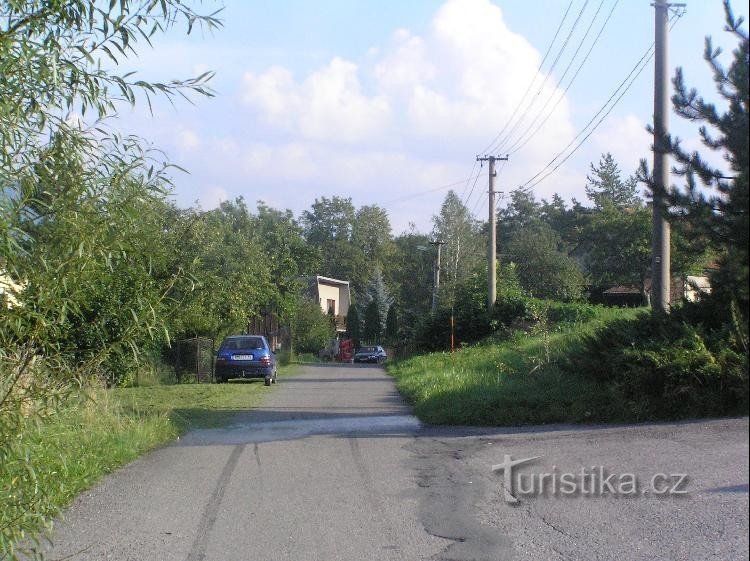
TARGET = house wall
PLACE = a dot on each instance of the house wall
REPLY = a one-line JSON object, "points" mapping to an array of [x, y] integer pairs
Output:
{"points": [[326, 292]]}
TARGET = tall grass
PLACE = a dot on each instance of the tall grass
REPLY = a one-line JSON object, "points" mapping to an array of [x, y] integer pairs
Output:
{"points": [[48, 462], [514, 381]]}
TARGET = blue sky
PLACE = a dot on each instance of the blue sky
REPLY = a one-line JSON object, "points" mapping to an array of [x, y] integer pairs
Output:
{"points": [[382, 101]]}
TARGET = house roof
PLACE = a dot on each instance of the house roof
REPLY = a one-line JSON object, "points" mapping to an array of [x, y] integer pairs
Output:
{"points": [[329, 280]]}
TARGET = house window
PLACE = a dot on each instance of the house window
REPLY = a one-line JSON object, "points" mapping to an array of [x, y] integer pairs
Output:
{"points": [[331, 306]]}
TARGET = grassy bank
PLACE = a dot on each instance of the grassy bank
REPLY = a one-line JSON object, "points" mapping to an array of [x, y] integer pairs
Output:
{"points": [[50, 462], [511, 382]]}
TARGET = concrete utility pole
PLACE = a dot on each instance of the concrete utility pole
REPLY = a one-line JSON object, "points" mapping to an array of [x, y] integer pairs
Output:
{"points": [[661, 278], [436, 274], [492, 246]]}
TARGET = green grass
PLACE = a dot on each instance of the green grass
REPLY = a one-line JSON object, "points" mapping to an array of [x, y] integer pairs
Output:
{"points": [[512, 382], [49, 462]]}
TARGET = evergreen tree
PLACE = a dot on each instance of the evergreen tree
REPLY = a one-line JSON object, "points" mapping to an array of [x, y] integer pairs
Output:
{"points": [[354, 324], [605, 187], [719, 207], [391, 324], [376, 302]]}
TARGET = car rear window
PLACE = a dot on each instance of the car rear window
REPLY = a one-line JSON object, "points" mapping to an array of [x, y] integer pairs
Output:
{"points": [[242, 343], [367, 350]]}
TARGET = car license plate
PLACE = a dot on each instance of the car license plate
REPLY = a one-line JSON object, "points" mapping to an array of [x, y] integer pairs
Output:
{"points": [[243, 357]]}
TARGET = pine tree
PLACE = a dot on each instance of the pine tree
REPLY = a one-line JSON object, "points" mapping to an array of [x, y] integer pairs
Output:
{"points": [[376, 302], [718, 208], [605, 186], [391, 323], [354, 324]]}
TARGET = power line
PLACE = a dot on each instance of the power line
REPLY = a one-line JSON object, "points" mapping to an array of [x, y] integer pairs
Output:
{"points": [[479, 172], [499, 146], [523, 138], [531, 83], [637, 70], [421, 193]]}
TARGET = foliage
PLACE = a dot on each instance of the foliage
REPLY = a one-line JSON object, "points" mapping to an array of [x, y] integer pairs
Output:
{"points": [[376, 302], [311, 328], [412, 278], [719, 207], [543, 268], [464, 247], [80, 232], [392, 324], [618, 247], [605, 187], [353, 324], [510, 381], [666, 368]]}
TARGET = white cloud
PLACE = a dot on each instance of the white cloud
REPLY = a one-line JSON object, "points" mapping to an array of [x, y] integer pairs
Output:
{"points": [[188, 140], [626, 139], [409, 117], [329, 105]]}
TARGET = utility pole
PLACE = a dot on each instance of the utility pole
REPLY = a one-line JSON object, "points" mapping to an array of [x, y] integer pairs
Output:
{"points": [[492, 246], [436, 274], [661, 278]]}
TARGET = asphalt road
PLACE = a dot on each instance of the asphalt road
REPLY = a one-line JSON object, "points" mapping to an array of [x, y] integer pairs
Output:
{"points": [[333, 467]]}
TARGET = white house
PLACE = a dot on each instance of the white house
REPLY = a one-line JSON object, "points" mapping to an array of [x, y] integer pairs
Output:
{"points": [[333, 296]]}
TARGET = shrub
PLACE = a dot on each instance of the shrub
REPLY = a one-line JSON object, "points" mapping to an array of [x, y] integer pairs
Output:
{"points": [[312, 328], [666, 368]]}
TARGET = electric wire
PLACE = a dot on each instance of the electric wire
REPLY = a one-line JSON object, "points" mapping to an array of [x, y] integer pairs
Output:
{"points": [[533, 79], [575, 75], [523, 138], [532, 100], [632, 76]]}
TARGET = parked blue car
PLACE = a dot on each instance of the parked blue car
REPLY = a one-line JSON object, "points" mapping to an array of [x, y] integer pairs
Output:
{"points": [[245, 356]]}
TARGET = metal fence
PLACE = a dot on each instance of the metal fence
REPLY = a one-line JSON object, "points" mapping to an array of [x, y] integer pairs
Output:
{"points": [[194, 359]]}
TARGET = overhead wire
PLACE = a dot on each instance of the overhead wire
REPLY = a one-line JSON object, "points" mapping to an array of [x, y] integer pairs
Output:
{"points": [[532, 100], [626, 84], [524, 136], [533, 79]]}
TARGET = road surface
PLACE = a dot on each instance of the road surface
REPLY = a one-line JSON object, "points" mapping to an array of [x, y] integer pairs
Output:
{"points": [[334, 467]]}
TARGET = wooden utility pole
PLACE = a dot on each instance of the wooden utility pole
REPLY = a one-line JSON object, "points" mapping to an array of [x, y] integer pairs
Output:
{"points": [[436, 274], [492, 246], [661, 277]]}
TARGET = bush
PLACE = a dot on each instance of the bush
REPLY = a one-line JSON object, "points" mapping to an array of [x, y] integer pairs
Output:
{"points": [[312, 328], [666, 368]]}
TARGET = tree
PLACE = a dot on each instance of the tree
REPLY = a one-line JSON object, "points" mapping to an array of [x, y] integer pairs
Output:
{"points": [[353, 324], [605, 186], [464, 246], [543, 269], [718, 207], [328, 227], [618, 248], [391, 324], [412, 276], [79, 224], [376, 301], [311, 327]]}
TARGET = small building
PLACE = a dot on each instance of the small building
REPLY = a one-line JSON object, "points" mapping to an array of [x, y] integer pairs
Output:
{"points": [[333, 296]]}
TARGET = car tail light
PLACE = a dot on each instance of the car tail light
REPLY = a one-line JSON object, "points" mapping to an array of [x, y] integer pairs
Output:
{"points": [[265, 361]]}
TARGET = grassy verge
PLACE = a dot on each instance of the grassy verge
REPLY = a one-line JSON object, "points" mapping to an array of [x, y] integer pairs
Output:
{"points": [[50, 462], [512, 382]]}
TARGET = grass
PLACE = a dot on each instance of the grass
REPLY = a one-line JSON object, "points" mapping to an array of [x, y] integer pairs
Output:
{"points": [[49, 462], [509, 382]]}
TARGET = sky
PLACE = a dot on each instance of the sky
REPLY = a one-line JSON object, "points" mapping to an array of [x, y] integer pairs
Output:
{"points": [[389, 103]]}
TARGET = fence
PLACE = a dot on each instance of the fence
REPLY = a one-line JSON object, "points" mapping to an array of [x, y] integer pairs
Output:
{"points": [[194, 359]]}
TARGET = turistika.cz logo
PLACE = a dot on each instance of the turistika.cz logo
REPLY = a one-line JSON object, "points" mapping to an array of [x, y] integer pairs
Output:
{"points": [[594, 481]]}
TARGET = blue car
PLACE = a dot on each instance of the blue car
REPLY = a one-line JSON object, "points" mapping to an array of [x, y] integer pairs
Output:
{"points": [[245, 356]]}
